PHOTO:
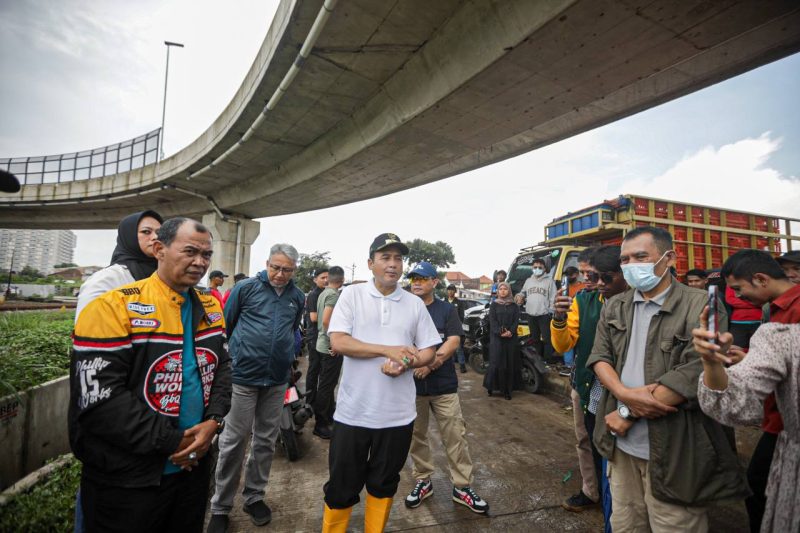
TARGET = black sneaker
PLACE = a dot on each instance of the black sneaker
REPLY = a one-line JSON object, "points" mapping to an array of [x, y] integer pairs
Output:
{"points": [[578, 502], [467, 496], [323, 432], [259, 512], [421, 490], [463, 368], [218, 523]]}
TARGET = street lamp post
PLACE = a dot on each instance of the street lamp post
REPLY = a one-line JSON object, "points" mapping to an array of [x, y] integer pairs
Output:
{"points": [[164, 108]]}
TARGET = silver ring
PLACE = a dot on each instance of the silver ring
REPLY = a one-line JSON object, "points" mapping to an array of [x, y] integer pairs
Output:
{"points": [[193, 456], [613, 433]]}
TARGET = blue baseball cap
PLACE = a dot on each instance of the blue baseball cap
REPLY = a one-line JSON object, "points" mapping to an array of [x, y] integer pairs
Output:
{"points": [[424, 270]]}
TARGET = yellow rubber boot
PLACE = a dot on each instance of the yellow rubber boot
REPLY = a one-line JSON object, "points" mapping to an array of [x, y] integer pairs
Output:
{"points": [[376, 514], [335, 520]]}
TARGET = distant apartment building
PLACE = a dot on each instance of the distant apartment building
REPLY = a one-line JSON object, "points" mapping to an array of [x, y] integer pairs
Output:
{"points": [[39, 249]]}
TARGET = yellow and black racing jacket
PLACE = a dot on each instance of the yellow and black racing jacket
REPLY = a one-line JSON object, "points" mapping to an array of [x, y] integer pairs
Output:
{"points": [[126, 374]]}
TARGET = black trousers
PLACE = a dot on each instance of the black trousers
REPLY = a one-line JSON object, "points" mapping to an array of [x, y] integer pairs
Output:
{"points": [[540, 332], [589, 421], [757, 476], [177, 504], [312, 377], [330, 368], [363, 456]]}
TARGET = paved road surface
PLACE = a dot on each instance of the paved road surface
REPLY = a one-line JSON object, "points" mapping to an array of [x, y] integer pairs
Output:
{"points": [[523, 451]]}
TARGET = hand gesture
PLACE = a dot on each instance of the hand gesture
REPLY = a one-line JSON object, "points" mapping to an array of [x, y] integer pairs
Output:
{"points": [[194, 444], [561, 304], [392, 368], [422, 373], [642, 403], [713, 348], [617, 425], [398, 353]]}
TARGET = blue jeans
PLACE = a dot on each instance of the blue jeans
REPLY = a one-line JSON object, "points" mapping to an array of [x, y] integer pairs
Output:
{"points": [[78, 513], [460, 356]]}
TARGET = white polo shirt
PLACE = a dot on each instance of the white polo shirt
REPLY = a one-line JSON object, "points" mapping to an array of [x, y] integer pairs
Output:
{"points": [[367, 397]]}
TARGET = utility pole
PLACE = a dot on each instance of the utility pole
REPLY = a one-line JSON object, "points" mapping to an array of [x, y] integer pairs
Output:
{"points": [[164, 108]]}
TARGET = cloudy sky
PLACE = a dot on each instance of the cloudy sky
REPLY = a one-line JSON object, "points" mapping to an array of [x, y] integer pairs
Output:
{"points": [[86, 74]]}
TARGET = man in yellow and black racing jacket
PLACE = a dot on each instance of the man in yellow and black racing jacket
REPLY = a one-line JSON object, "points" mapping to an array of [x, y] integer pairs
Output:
{"points": [[150, 384]]}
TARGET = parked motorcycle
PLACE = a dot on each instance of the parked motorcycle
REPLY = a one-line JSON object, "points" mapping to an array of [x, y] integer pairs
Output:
{"points": [[294, 415], [533, 365]]}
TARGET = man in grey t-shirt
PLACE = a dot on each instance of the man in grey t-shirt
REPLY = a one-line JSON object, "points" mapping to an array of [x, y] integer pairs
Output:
{"points": [[330, 363]]}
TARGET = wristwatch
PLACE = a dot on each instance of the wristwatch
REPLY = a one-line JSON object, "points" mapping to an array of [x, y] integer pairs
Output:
{"points": [[220, 422], [625, 413]]}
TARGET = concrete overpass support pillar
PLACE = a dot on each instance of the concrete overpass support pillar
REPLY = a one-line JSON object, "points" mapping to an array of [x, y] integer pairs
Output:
{"points": [[232, 240]]}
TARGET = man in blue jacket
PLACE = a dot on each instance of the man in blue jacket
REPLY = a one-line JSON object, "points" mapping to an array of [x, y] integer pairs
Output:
{"points": [[261, 316]]}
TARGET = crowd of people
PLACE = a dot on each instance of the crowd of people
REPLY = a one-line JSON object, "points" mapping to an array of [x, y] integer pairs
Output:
{"points": [[162, 367]]}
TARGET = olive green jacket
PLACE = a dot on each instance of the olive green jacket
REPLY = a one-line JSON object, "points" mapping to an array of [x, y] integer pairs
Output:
{"points": [[691, 460]]}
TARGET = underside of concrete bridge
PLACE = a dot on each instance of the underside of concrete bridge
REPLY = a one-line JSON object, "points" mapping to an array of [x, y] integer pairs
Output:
{"points": [[398, 94]]}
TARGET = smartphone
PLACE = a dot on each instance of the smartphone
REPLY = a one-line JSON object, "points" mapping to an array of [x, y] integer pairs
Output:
{"points": [[713, 314], [564, 286]]}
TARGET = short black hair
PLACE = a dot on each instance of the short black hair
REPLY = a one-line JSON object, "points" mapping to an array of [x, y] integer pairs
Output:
{"points": [[169, 229], [745, 264], [570, 270], [539, 260], [661, 237], [503, 272], [699, 272], [606, 259], [318, 271], [335, 274], [451, 287], [586, 255]]}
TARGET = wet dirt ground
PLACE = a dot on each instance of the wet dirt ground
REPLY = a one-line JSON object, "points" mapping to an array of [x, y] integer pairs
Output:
{"points": [[525, 465]]}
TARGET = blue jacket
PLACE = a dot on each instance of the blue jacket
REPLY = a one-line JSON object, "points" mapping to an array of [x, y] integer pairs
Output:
{"points": [[260, 326]]}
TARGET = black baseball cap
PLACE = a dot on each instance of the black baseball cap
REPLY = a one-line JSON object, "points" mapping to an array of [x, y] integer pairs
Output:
{"points": [[790, 257], [384, 240], [217, 274]]}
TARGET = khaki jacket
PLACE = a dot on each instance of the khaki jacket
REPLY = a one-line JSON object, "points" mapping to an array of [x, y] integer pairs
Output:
{"points": [[691, 460]]}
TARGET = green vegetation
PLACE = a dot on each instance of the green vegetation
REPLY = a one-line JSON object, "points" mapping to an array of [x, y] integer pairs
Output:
{"points": [[48, 506], [34, 348]]}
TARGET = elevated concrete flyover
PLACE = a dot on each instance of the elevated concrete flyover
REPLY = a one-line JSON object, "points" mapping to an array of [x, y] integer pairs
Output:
{"points": [[397, 94]]}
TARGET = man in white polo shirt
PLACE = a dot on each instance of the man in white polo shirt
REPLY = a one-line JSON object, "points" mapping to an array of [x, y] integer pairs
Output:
{"points": [[382, 331]]}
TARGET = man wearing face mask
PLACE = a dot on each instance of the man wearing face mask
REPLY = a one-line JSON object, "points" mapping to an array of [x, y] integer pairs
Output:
{"points": [[667, 461], [540, 291]]}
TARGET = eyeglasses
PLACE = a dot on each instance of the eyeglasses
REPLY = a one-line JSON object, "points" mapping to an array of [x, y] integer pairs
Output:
{"points": [[594, 277], [414, 279], [282, 270]]}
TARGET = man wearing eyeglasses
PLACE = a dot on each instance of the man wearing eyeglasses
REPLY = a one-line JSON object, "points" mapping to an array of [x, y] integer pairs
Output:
{"points": [[261, 316]]}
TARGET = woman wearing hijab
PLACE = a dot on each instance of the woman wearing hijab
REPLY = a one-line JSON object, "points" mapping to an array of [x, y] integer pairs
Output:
{"points": [[131, 261], [503, 320]]}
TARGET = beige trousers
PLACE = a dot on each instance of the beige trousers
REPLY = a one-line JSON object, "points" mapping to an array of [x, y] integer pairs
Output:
{"points": [[635, 509], [446, 409], [584, 449]]}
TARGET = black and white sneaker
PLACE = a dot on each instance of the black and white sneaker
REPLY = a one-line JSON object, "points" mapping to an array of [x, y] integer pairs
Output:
{"points": [[421, 490], [466, 496]]}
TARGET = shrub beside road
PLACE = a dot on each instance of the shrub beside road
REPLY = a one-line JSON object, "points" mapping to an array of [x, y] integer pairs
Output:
{"points": [[34, 348]]}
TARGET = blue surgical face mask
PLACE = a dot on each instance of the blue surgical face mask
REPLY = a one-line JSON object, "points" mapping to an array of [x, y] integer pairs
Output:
{"points": [[642, 276], [538, 272]]}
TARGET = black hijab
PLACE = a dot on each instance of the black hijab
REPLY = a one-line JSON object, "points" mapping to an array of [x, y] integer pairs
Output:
{"points": [[128, 252]]}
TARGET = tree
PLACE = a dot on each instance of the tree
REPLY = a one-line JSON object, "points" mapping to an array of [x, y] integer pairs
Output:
{"points": [[439, 254], [304, 275], [30, 272], [65, 265]]}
